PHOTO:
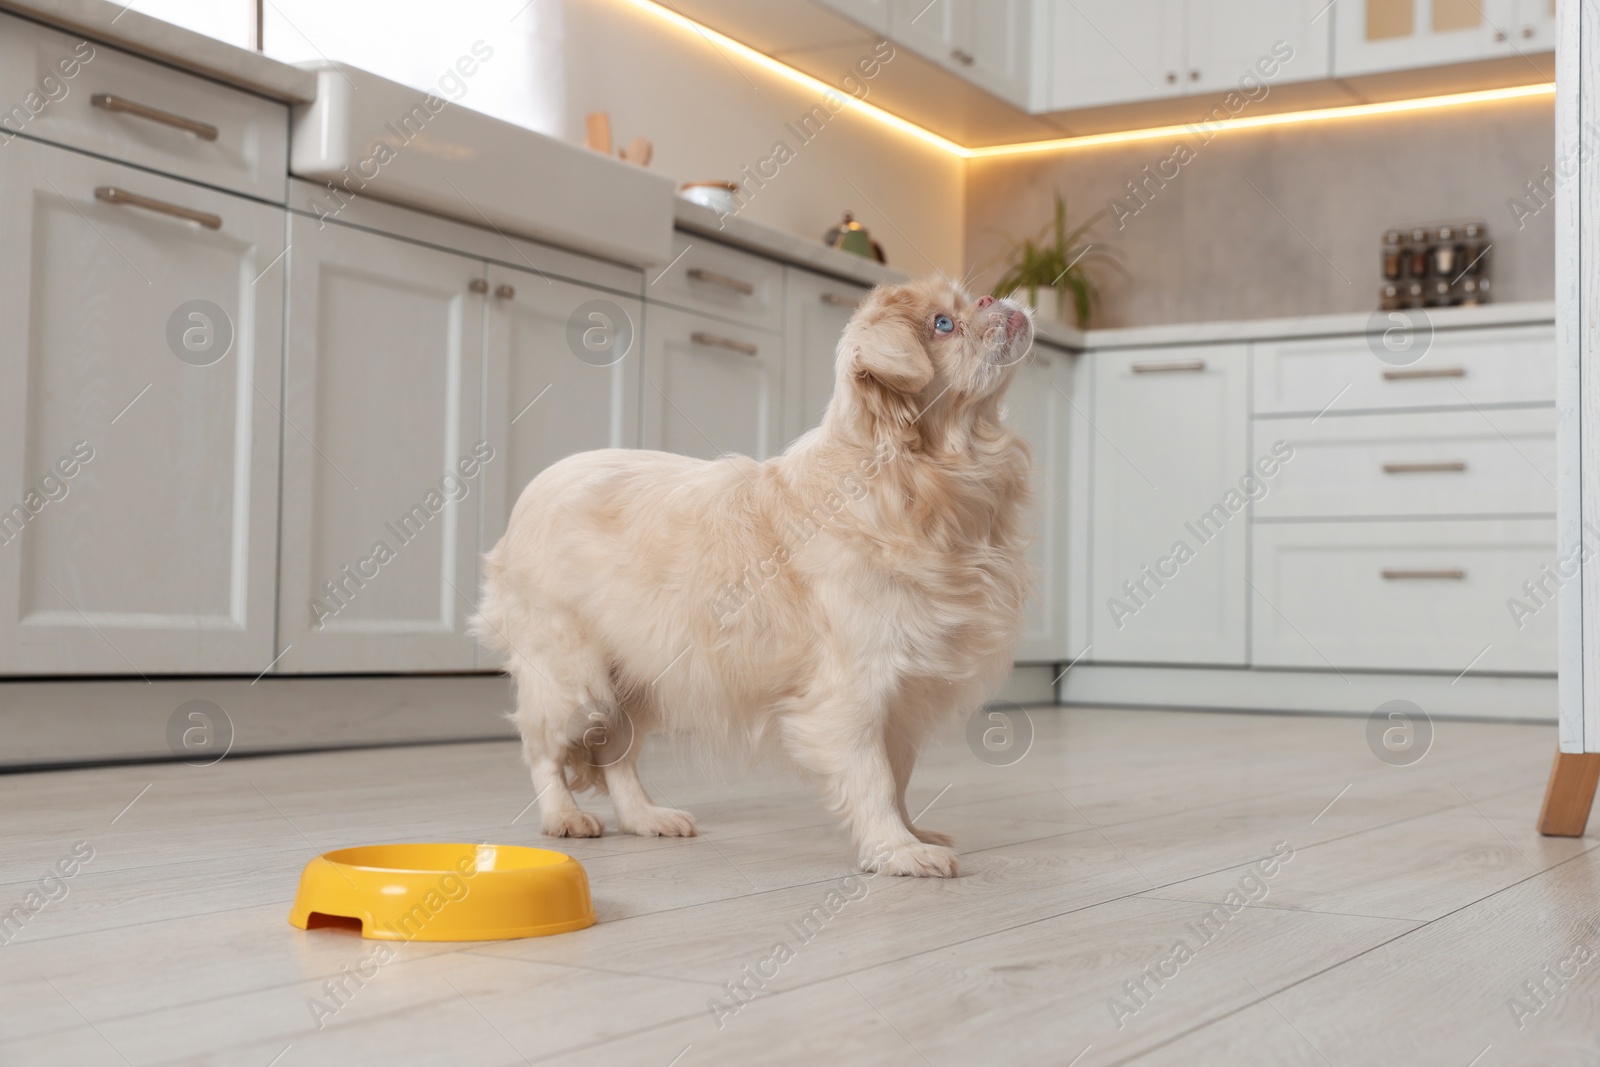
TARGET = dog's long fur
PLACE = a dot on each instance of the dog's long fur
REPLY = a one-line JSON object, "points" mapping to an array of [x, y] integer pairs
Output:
{"points": [[843, 598]]}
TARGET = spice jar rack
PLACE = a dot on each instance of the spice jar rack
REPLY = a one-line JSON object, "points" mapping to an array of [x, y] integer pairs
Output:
{"points": [[1437, 265]]}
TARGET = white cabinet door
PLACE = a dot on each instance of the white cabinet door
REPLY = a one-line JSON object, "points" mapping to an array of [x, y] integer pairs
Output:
{"points": [[873, 14], [563, 374], [1535, 28], [140, 358], [994, 49], [1113, 53], [1171, 529], [814, 319], [1233, 44], [711, 387], [384, 457], [1039, 408], [983, 41], [934, 29], [1382, 35]]}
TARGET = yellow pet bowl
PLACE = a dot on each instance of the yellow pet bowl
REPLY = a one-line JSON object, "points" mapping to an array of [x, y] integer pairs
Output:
{"points": [[444, 892]]}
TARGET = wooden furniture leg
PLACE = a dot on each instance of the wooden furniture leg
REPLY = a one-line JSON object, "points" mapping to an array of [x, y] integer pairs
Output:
{"points": [[1570, 794]]}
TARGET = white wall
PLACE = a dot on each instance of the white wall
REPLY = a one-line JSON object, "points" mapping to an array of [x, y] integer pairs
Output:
{"points": [[710, 114]]}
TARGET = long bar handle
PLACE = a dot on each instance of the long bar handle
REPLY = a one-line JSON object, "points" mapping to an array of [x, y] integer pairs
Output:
{"points": [[712, 340], [112, 195], [710, 277], [118, 105]]}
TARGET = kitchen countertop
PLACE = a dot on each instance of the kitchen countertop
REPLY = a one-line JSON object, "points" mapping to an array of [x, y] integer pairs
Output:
{"points": [[113, 24], [814, 255], [800, 251]]}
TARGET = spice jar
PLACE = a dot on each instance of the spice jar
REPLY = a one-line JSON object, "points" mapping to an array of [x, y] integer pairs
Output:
{"points": [[1391, 255], [1389, 298], [1444, 252], [1472, 247], [1417, 254]]}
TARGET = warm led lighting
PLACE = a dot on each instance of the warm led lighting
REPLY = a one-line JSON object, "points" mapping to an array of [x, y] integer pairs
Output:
{"points": [[783, 70], [1253, 122], [1062, 144]]}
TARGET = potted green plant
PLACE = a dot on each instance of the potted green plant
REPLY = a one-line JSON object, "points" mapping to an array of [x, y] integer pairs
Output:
{"points": [[1054, 269]]}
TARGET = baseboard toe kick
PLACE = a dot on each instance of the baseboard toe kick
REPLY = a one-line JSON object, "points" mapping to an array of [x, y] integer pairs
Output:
{"points": [[79, 722], [1519, 698]]}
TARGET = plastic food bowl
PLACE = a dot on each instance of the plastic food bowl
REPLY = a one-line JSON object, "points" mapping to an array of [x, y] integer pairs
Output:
{"points": [[444, 892]]}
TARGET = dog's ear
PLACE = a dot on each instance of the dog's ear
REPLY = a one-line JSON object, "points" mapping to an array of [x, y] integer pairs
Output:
{"points": [[883, 346]]}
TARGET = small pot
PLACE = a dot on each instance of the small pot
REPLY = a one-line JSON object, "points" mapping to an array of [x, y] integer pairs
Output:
{"points": [[718, 196], [1049, 304]]}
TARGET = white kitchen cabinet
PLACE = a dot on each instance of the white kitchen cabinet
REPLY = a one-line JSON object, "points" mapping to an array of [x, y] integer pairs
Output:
{"points": [[1038, 406], [138, 423], [711, 387], [384, 453], [1107, 53], [984, 41], [1386, 35], [1114, 53], [1170, 524], [1232, 45], [563, 374], [873, 14], [815, 316]]}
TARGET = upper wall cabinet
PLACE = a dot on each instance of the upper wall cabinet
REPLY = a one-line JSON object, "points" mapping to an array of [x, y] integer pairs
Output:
{"points": [[1387, 35], [984, 41], [1113, 53], [873, 14]]}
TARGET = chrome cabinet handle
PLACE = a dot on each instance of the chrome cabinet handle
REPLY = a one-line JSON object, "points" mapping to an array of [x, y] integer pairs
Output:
{"points": [[1170, 366], [120, 106], [1448, 575], [1424, 468], [1429, 372], [1194, 75], [505, 292], [712, 340], [743, 288], [478, 285], [840, 300], [112, 195]]}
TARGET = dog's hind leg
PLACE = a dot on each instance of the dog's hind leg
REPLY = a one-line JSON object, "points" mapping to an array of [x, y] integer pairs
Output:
{"points": [[556, 694]]}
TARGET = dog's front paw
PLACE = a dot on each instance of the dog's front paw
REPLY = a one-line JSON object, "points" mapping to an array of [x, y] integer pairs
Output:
{"points": [[913, 860], [572, 824], [934, 837], [661, 822]]}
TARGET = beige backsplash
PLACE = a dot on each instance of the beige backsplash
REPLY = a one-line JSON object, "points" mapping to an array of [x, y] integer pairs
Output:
{"points": [[1305, 239]]}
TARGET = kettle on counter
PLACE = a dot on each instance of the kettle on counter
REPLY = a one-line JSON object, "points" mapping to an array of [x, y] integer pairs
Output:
{"points": [[851, 236]]}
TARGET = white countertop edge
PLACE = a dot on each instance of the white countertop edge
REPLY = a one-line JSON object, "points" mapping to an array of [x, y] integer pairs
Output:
{"points": [[1341, 324], [114, 24]]}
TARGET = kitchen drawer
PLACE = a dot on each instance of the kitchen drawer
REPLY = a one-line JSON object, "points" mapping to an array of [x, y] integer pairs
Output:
{"points": [[248, 153], [1492, 462], [717, 280], [1502, 365], [1403, 595]]}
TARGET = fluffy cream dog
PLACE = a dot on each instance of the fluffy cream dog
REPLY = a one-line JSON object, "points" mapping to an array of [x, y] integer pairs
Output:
{"points": [[841, 599]]}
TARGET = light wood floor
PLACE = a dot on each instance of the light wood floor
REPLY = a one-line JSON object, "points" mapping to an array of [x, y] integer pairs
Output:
{"points": [[1417, 903]]}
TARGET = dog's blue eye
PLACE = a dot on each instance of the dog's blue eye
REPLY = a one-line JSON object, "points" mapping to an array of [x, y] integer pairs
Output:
{"points": [[943, 324]]}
